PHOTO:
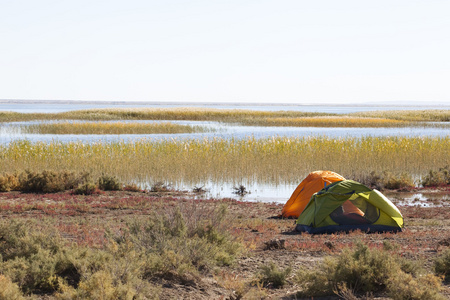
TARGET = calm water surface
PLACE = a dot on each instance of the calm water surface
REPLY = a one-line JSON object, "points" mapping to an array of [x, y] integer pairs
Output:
{"points": [[56, 108]]}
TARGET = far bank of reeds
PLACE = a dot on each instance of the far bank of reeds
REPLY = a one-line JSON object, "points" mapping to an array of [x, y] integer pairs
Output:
{"points": [[273, 160], [246, 117]]}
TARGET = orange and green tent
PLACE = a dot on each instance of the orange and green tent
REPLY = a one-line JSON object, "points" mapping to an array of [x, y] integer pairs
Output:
{"points": [[313, 183]]}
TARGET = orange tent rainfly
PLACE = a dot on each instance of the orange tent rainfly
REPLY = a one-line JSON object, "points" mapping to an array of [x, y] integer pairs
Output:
{"points": [[313, 183]]}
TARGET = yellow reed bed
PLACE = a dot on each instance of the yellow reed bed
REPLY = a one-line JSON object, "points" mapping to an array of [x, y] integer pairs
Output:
{"points": [[274, 160], [329, 122], [246, 117], [430, 115], [110, 128]]}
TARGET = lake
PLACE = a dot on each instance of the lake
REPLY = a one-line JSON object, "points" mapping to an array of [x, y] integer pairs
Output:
{"points": [[340, 109], [258, 192]]}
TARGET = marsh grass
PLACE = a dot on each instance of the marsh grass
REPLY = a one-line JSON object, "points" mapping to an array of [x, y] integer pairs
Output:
{"points": [[332, 121], [273, 160], [182, 113], [110, 128], [431, 115], [245, 117]]}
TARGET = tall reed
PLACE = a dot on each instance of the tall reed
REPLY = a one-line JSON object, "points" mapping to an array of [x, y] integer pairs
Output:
{"points": [[274, 160], [109, 128]]}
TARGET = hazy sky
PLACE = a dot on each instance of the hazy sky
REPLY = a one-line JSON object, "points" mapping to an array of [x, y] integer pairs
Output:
{"points": [[228, 51]]}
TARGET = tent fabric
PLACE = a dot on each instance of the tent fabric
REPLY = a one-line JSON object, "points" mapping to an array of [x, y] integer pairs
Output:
{"points": [[348, 205], [313, 183]]}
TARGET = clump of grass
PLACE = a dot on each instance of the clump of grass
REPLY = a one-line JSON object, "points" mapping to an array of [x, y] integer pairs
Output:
{"points": [[365, 271], [240, 190], [388, 180], [437, 178], [161, 187], [132, 187], [86, 188], [109, 183], [272, 276]]}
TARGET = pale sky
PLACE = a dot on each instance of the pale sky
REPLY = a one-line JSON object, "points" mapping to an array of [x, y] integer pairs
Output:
{"points": [[291, 51]]}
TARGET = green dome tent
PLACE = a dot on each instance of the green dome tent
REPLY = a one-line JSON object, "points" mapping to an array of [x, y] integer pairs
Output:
{"points": [[348, 205]]}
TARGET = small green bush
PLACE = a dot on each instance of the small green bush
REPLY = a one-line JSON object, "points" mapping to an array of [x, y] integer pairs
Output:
{"points": [[437, 178], [109, 183], [442, 264], [271, 275], [87, 188]]}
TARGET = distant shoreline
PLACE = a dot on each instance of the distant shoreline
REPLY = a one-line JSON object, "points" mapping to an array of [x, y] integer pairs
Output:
{"points": [[180, 103]]}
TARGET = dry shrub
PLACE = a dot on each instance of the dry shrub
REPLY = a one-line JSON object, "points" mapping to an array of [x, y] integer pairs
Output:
{"points": [[365, 271], [405, 286]]}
